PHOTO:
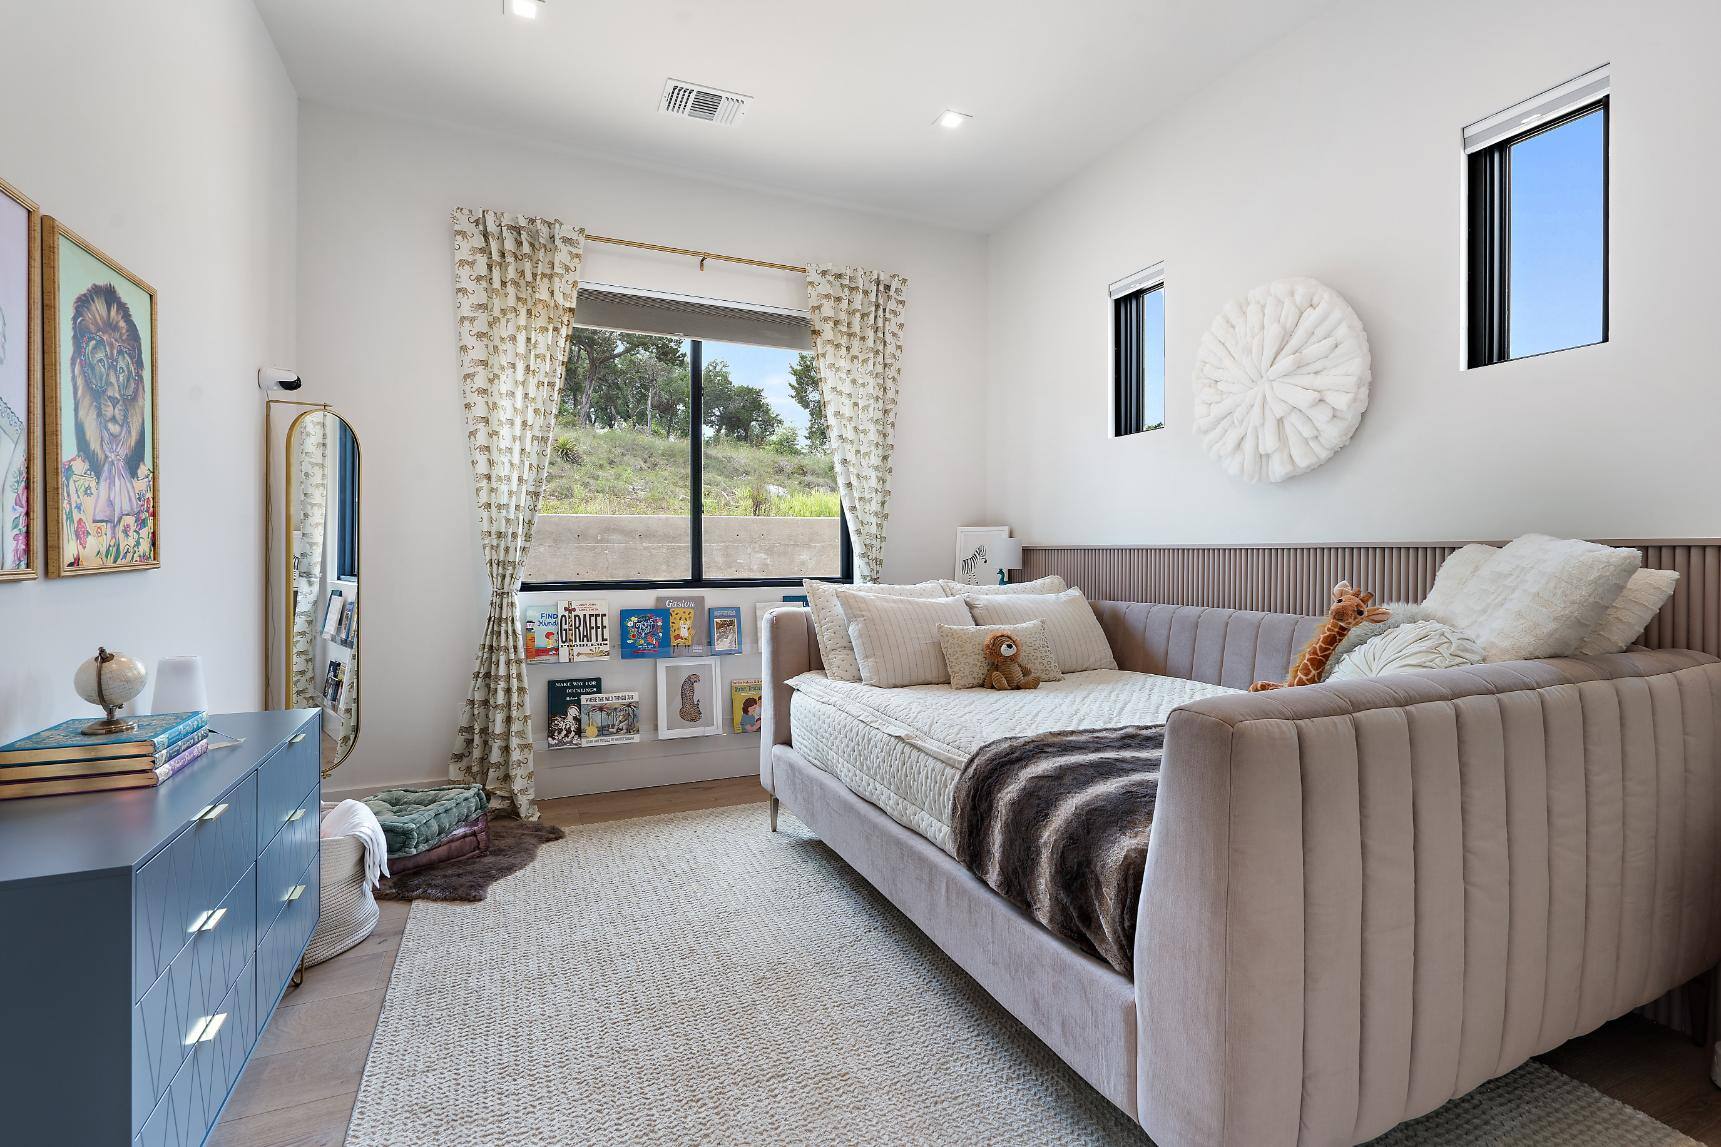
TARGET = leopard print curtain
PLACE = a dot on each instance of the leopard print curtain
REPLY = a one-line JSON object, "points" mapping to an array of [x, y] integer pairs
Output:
{"points": [[856, 320], [514, 284], [309, 453]]}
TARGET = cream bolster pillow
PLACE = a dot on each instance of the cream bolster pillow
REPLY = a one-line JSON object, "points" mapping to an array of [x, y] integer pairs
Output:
{"points": [[964, 649], [1074, 632], [1049, 584], [836, 650], [1537, 597], [1632, 611], [1416, 645], [896, 638]]}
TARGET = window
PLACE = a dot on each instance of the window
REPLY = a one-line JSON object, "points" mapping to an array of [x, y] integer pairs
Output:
{"points": [[347, 505], [1537, 246], [620, 504], [1138, 352]]}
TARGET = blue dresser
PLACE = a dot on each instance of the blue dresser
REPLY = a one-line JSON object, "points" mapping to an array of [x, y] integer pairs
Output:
{"points": [[146, 937]]}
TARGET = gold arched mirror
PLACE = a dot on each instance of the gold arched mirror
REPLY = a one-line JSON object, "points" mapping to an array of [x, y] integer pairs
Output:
{"points": [[314, 622]]}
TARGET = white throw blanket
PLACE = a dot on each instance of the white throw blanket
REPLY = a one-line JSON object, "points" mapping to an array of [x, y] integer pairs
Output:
{"points": [[351, 818]]}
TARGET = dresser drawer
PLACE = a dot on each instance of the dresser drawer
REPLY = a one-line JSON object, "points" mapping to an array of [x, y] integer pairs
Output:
{"points": [[278, 954], [284, 779], [282, 863], [189, 877], [214, 1059], [192, 987]]}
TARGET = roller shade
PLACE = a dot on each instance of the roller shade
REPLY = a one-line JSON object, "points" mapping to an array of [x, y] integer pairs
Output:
{"points": [[1588, 88], [610, 307]]}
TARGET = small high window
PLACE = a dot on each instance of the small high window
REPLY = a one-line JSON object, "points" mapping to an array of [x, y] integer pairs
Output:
{"points": [[1537, 244], [1138, 352]]}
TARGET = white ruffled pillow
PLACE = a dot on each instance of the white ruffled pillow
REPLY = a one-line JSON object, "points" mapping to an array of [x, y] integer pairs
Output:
{"points": [[1414, 646], [1537, 597], [1632, 611]]}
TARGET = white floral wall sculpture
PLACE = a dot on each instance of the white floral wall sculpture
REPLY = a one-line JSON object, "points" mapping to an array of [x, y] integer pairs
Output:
{"points": [[1281, 380]]}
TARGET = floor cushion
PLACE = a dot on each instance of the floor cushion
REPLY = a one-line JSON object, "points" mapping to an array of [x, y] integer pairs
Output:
{"points": [[469, 839], [416, 819]]}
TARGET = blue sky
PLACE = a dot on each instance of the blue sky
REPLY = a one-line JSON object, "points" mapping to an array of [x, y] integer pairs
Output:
{"points": [[1557, 237], [766, 368]]}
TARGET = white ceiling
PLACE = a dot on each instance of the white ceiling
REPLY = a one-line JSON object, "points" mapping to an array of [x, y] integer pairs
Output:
{"points": [[845, 93]]}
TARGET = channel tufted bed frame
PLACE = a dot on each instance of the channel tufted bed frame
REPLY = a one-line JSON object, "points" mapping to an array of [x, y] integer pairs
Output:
{"points": [[1361, 899]]}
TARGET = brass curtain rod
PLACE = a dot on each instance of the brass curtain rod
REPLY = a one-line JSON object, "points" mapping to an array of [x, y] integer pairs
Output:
{"points": [[700, 255]]}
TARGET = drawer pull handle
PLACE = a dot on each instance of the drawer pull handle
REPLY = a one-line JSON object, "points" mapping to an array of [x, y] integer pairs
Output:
{"points": [[214, 919], [296, 814], [295, 738], [205, 1029], [212, 812], [295, 892], [197, 924]]}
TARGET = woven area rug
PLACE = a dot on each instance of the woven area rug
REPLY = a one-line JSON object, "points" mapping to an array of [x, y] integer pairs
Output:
{"points": [[692, 978]]}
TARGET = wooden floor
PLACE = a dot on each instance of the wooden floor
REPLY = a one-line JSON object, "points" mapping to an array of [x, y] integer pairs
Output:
{"points": [[298, 1090]]}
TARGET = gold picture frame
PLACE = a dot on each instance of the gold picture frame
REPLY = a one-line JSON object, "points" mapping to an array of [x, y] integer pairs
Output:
{"points": [[114, 508], [30, 433]]}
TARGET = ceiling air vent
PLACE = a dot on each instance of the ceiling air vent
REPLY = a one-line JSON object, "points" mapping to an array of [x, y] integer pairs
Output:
{"points": [[695, 101]]}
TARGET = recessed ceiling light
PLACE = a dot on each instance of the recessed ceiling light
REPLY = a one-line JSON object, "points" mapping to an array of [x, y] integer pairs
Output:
{"points": [[524, 8], [951, 118]]}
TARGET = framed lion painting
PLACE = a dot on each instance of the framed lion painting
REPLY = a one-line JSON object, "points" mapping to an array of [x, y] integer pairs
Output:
{"points": [[102, 499], [20, 383]]}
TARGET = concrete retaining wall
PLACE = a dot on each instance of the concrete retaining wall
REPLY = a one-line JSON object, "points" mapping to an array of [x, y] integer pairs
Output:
{"points": [[617, 547]]}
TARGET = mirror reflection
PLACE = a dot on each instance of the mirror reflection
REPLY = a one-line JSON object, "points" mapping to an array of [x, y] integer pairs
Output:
{"points": [[322, 531]]}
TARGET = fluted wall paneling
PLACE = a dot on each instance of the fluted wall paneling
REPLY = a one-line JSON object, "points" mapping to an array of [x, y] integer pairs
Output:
{"points": [[1297, 579]]}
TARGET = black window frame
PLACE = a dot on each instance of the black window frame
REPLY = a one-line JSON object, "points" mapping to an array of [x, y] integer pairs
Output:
{"points": [[1129, 376], [1488, 292], [696, 487]]}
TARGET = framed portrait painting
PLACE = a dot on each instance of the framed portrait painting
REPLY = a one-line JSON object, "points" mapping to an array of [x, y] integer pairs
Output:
{"points": [[102, 501], [20, 383]]}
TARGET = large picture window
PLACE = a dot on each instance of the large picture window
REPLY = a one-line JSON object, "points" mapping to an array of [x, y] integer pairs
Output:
{"points": [[1537, 254], [680, 461]]}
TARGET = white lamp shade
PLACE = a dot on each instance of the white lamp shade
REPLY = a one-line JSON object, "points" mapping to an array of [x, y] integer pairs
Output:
{"points": [[1008, 553], [179, 686]]}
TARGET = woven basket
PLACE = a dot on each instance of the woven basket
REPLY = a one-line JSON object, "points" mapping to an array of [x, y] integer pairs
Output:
{"points": [[349, 911]]}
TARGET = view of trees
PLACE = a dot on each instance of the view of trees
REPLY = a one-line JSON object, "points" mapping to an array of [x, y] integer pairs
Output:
{"points": [[617, 380]]}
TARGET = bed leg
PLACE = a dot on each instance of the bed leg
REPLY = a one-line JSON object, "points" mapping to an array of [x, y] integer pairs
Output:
{"points": [[773, 814]]}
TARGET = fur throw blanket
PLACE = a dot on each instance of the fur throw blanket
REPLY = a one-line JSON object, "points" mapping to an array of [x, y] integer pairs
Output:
{"points": [[1057, 824]]}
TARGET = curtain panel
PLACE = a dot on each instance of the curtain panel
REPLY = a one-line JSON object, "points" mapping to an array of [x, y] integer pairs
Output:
{"points": [[856, 320], [311, 460], [515, 279]]}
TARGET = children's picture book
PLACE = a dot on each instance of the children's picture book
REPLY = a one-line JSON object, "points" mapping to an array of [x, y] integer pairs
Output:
{"points": [[644, 633], [685, 617], [349, 623], [332, 612], [543, 626], [746, 704], [564, 708], [334, 681], [796, 599], [725, 623], [585, 633], [610, 718]]}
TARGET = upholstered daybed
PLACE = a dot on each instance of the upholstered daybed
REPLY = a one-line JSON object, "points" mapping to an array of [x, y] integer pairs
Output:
{"points": [[1361, 899]]}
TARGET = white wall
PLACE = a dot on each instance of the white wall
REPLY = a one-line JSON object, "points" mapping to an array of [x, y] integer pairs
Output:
{"points": [[1335, 153], [377, 341], [170, 144]]}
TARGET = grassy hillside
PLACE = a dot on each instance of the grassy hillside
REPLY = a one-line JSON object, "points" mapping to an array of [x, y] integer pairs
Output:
{"points": [[627, 471]]}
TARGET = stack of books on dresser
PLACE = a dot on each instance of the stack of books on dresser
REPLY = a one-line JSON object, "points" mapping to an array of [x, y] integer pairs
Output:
{"points": [[62, 759]]}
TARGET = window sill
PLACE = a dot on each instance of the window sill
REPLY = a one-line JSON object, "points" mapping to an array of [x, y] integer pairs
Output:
{"points": [[706, 583]]}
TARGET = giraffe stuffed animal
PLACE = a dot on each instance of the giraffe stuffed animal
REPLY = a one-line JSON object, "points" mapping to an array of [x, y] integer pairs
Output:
{"points": [[1350, 609]]}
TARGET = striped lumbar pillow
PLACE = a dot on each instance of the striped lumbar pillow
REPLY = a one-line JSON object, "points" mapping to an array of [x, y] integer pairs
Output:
{"points": [[836, 651], [896, 638]]}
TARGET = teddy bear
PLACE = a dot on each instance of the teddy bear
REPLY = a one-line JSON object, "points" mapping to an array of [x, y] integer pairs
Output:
{"points": [[1004, 664], [1350, 609]]}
